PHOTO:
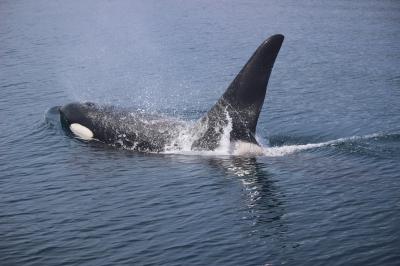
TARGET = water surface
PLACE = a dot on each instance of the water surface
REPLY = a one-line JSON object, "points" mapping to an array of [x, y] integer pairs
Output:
{"points": [[325, 193]]}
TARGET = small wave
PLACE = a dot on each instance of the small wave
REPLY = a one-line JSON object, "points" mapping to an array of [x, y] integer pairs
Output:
{"points": [[290, 149]]}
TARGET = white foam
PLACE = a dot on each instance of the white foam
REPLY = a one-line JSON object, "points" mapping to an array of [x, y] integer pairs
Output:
{"points": [[240, 148], [225, 144], [187, 135], [246, 148], [290, 149]]}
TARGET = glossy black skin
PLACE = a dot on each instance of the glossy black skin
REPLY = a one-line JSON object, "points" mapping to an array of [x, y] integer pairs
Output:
{"points": [[241, 104], [119, 126]]}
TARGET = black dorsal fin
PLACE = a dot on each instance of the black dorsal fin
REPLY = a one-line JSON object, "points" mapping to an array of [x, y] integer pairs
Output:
{"points": [[243, 99]]}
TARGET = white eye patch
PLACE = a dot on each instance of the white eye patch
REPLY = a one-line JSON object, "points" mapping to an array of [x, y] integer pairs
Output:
{"points": [[81, 131]]}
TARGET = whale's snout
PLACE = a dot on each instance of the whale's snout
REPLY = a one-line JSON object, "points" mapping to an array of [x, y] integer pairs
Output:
{"points": [[75, 118]]}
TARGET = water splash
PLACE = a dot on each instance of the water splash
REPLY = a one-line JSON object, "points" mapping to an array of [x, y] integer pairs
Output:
{"points": [[239, 148]]}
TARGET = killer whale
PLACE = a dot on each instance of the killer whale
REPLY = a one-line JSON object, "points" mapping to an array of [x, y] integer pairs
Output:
{"points": [[237, 110]]}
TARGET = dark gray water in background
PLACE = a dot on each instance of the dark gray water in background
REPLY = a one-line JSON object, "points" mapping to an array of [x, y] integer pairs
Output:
{"points": [[64, 202]]}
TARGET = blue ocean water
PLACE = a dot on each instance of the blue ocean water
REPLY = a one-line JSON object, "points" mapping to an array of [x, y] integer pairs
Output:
{"points": [[326, 192]]}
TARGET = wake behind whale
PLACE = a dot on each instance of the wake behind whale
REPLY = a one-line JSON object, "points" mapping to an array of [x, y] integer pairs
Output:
{"points": [[231, 122]]}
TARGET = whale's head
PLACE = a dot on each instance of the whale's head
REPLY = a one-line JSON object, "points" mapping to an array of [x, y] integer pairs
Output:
{"points": [[78, 118]]}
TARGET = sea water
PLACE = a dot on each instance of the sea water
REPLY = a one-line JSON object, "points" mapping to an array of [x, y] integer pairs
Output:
{"points": [[323, 190]]}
